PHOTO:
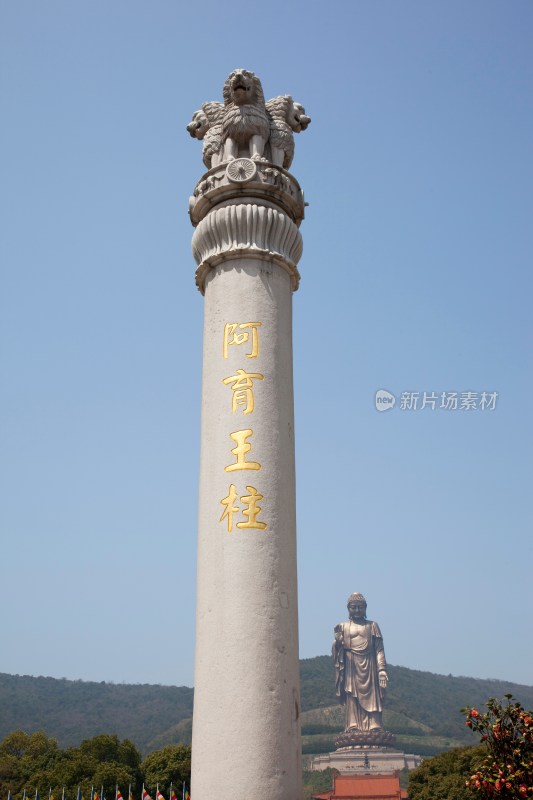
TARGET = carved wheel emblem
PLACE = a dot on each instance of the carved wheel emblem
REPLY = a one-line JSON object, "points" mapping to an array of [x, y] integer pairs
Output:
{"points": [[241, 170]]}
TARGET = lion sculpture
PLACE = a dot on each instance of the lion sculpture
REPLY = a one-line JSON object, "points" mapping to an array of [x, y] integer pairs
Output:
{"points": [[244, 125], [286, 116], [206, 125]]}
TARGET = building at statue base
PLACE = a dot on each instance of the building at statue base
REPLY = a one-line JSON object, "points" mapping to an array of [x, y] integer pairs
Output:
{"points": [[374, 760], [364, 787]]}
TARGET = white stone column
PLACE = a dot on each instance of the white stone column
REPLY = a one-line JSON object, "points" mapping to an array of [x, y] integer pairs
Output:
{"points": [[246, 727]]}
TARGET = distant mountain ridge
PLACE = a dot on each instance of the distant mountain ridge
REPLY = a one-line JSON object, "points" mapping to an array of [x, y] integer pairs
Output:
{"points": [[75, 710], [422, 708]]}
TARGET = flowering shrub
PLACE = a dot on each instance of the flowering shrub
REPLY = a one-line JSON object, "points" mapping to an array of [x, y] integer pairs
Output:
{"points": [[507, 770]]}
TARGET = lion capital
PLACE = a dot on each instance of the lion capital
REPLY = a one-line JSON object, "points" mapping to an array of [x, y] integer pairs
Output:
{"points": [[245, 126]]}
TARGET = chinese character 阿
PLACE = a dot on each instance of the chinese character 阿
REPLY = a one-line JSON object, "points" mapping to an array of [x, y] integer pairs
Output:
{"points": [[231, 336], [243, 447], [242, 389]]}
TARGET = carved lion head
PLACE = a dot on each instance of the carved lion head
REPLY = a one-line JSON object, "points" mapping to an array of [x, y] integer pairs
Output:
{"points": [[301, 117], [284, 108], [199, 125], [242, 87]]}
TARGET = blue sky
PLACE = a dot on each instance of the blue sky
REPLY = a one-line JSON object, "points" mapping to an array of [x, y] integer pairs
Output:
{"points": [[416, 277]]}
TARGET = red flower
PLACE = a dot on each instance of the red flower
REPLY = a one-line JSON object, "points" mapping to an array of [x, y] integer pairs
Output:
{"points": [[474, 713]]}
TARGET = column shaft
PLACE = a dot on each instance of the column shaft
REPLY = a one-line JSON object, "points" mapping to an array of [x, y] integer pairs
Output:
{"points": [[246, 729]]}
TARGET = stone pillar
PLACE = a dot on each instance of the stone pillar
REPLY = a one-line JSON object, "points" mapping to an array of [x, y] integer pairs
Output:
{"points": [[246, 728]]}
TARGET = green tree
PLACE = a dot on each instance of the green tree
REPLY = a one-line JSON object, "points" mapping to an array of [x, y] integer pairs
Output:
{"points": [[23, 756], [317, 782], [172, 764], [34, 761], [444, 776], [106, 761], [506, 772]]}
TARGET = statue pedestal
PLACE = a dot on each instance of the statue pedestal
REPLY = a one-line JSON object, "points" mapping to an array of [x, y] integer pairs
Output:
{"points": [[375, 760], [378, 737]]}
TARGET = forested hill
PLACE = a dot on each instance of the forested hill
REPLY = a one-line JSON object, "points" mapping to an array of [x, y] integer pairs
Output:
{"points": [[421, 708], [75, 710]]}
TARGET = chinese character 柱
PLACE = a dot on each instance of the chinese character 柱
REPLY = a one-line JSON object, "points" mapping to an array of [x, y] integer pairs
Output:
{"points": [[251, 509]]}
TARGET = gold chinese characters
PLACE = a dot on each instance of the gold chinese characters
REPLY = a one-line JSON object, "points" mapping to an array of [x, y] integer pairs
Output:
{"points": [[245, 505], [251, 508], [242, 389], [231, 337], [243, 447]]}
